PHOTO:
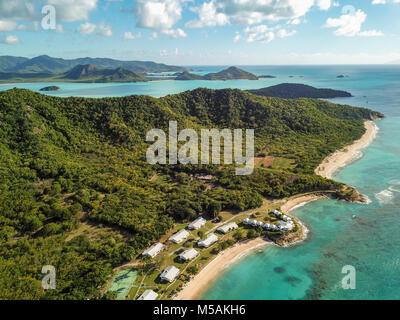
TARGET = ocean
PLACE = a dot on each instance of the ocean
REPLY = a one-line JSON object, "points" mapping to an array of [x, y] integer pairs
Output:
{"points": [[341, 234]]}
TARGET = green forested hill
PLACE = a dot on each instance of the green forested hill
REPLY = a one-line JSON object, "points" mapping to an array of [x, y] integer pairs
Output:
{"points": [[64, 160]]}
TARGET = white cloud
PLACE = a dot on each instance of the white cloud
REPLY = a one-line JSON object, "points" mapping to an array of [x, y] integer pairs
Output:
{"points": [[104, 30], [73, 10], [261, 33], [237, 37], [7, 25], [11, 40], [130, 36], [86, 28], [17, 9], [282, 33], [247, 12], [371, 33], [384, 1], [324, 4], [174, 33], [154, 36], [158, 14], [350, 24]]}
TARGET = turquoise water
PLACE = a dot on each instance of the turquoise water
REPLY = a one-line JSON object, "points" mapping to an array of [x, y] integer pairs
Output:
{"points": [[370, 242]]}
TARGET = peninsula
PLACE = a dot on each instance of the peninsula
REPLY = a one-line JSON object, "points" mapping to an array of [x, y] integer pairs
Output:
{"points": [[94, 206]]}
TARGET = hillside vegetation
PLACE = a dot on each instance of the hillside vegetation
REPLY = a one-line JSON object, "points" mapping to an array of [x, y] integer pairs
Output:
{"points": [[68, 160]]}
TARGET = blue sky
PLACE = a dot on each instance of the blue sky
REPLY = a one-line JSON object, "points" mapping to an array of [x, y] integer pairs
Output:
{"points": [[206, 32]]}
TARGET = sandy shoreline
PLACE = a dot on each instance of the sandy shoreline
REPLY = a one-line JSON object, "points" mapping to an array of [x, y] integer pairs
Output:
{"points": [[210, 272], [341, 158], [328, 168]]}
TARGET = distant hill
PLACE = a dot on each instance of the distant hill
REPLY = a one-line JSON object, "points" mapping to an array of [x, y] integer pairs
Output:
{"points": [[188, 76], [231, 73], [89, 73], [47, 64], [9, 62], [296, 90]]}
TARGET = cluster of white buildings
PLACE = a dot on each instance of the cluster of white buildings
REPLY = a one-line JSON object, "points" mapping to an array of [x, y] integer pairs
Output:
{"points": [[285, 224], [170, 273]]}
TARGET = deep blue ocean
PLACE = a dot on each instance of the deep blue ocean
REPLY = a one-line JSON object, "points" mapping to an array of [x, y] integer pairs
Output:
{"points": [[370, 242]]}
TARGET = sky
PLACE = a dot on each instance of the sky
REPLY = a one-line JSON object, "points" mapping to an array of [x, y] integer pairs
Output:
{"points": [[205, 32]]}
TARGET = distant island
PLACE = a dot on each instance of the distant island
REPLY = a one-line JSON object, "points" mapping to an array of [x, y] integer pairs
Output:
{"points": [[44, 68], [267, 76], [89, 73], [232, 73], [296, 90], [50, 88]]}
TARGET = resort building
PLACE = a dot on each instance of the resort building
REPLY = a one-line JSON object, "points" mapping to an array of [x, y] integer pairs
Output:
{"points": [[210, 240], [285, 226], [253, 223], [148, 295], [179, 236], [154, 250], [169, 274], [277, 213], [228, 227], [246, 221], [259, 224], [188, 254], [267, 226], [197, 224]]}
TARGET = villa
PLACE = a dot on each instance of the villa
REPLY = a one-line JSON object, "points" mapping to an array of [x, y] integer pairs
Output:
{"points": [[259, 224], [210, 240], [148, 295], [169, 274], [246, 221], [154, 250], [197, 224], [277, 213], [188, 254], [253, 223], [179, 236], [285, 226], [228, 227]]}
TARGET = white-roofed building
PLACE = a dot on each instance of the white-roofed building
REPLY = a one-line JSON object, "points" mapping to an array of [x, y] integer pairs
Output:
{"points": [[228, 227], [154, 250], [276, 212], [169, 274], [253, 223], [259, 224], [188, 254], [246, 221], [148, 295], [210, 240], [284, 226], [179, 236], [197, 224], [267, 226]]}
